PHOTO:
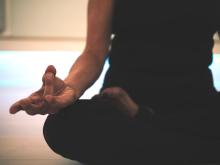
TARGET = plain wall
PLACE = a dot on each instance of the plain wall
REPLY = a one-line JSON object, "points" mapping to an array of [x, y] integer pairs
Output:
{"points": [[2, 15], [46, 25], [48, 18]]}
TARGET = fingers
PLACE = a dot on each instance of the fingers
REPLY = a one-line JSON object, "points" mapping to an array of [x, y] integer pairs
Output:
{"points": [[107, 93], [60, 101], [113, 92], [32, 105], [48, 84], [55, 103], [20, 105], [51, 69], [16, 107], [48, 80]]}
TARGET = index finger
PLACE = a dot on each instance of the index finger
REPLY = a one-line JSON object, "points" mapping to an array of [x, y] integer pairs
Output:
{"points": [[48, 80], [15, 108], [18, 106], [51, 69], [48, 83]]}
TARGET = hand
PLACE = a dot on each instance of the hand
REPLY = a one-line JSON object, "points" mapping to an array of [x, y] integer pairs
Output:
{"points": [[49, 99]]}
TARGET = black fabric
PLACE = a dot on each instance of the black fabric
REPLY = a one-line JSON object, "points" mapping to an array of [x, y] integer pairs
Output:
{"points": [[162, 49], [96, 132], [145, 114]]}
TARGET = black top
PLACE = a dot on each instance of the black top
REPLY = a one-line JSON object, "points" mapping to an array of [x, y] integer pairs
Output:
{"points": [[162, 49]]}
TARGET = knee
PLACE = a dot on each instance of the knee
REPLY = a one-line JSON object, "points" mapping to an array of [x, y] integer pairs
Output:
{"points": [[51, 134], [61, 140]]}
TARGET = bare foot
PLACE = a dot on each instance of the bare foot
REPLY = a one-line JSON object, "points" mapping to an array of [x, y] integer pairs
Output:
{"points": [[121, 99]]}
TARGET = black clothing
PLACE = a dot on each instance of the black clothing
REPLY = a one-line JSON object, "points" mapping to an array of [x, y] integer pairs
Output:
{"points": [[96, 132], [160, 55], [162, 49]]}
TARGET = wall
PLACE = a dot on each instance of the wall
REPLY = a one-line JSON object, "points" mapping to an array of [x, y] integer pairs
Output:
{"points": [[2, 15], [46, 24], [47, 18]]}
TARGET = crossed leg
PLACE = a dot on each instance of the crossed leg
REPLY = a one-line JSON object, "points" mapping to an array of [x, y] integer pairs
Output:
{"points": [[97, 131]]}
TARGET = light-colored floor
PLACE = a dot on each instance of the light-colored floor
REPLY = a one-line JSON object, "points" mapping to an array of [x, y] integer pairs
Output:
{"points": [[21, 139]]}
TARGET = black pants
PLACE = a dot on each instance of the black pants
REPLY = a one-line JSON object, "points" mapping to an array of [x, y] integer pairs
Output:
{"points": [[95, 132]]}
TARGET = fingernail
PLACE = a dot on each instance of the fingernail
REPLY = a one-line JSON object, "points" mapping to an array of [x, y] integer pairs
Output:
{"points": [[49, 76], [51, 68]]}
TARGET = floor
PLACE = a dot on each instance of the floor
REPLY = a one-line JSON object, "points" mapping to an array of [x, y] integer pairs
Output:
{"points": [[21, 139]]}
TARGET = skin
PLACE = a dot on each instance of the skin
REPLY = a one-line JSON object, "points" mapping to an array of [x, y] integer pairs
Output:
{"points": [[121, 99], [56, 93]]}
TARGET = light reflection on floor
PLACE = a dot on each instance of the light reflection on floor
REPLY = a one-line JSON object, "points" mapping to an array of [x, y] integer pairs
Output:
{"points": [[21, 139], [24, 69], [20, 74]]}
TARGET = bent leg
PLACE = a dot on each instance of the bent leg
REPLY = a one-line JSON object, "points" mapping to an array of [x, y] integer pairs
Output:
{"points": [[86, 131], [95, 132]]}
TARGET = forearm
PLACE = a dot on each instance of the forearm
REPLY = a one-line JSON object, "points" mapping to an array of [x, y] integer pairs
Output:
{"points": [[84, 72], [89, 65]]}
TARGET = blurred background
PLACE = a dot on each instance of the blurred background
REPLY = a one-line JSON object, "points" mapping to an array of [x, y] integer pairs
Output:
{"points": [[34, 34]]}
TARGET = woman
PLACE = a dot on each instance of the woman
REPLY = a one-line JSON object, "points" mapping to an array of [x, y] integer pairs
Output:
{"points": [[158, 103]]}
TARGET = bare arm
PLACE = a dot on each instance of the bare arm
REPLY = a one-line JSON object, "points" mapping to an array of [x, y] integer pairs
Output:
{"points": [[89, 65], [55, 93]]}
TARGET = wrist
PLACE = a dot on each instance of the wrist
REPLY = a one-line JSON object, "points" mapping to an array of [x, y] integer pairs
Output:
{"points": [[71, 85]]}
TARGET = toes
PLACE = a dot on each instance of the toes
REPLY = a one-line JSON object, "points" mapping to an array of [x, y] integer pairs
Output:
{"points": [[114, 92], [121, 99]]}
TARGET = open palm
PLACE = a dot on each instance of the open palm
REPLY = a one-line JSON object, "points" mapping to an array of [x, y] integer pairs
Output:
{"points": [[49, 99]]}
